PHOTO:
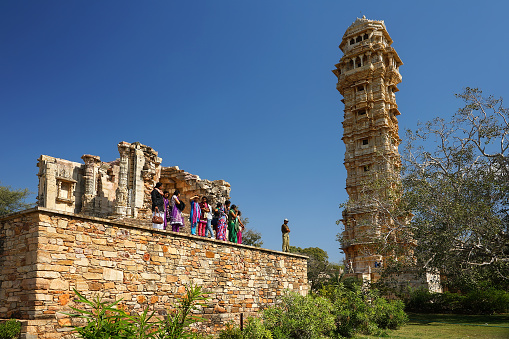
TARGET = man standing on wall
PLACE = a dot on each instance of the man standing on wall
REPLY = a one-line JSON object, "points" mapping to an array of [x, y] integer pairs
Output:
{"points": [[286, 236]]}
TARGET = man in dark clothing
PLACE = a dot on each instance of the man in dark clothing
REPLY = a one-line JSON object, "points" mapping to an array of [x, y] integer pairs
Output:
{"points": [[157, 204]]}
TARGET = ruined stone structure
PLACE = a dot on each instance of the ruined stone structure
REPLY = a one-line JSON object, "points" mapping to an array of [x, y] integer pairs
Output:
{"points": [[44, 254], [368, 75], [119, 189]]}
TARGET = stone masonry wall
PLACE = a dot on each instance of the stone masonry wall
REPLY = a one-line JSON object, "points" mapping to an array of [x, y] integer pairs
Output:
{"points": [[44, 254]]}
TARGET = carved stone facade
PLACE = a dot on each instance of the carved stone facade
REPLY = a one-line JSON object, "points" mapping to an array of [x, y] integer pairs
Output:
{"points": [[118, 189], [368, 75]]}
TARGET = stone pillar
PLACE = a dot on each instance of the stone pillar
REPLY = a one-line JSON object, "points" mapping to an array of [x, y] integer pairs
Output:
{"points": [[47, 191], [138, 187], [90, 181], [122, 193], [368, 58]]}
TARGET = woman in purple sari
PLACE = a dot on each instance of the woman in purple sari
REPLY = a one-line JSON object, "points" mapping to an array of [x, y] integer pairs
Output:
{"points": [[176, 215]]}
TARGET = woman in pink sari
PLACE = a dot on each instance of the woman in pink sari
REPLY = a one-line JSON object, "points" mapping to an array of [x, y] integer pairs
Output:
{"points": [[240, 227]]}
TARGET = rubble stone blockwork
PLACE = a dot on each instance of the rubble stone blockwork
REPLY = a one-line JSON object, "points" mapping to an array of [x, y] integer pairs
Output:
{"points": [[368, 75], [45, 254], [118, 189]]}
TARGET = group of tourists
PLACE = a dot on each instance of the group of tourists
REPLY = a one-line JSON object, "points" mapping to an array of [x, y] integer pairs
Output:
{"points": [[224, 219]]}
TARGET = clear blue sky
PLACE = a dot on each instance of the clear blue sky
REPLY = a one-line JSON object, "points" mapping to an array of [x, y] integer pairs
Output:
{"points": [[233, 90]]}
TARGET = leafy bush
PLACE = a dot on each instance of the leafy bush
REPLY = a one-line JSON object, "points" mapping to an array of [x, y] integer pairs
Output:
{"points": [[174, 325], [339, 311], [486, 301], [300, 317], [231, 332], [389, 314], [104, 320], [359, 310], [255, 329], [10, 329]]}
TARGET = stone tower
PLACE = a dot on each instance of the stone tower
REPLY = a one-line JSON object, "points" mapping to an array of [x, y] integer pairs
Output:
{"points": [[368, 75]]}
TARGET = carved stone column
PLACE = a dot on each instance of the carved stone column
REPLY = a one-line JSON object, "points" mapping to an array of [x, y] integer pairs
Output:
{"points": [[90, 181], [122, 192]]}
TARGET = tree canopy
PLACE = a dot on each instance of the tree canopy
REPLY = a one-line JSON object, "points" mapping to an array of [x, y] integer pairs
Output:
{"points": [[250, 236], [13, 200], [320, 270], [459, 190]]}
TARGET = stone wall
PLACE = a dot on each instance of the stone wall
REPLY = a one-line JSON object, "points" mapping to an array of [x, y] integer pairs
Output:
{"points": [[44, 254]]}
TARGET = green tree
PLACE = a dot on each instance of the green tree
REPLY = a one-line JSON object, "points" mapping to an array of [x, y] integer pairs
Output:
{"points": [[459, 191], [320, 270], [13, 200], [250, 236]]}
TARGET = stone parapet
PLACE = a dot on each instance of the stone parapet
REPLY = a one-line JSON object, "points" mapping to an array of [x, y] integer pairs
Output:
{"points": [[45, 254]]}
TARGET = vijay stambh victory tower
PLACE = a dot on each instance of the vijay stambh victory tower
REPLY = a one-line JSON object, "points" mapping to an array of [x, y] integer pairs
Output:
{"points": [[368, 75]]}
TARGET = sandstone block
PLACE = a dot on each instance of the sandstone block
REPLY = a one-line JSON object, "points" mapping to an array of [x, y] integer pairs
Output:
{"points": [[109, 254], [81, 286], [92, 276], [99, 241], [150, 276], [63, 299], [83, 238], [82, 262], [48, 274], [59, 284], [95, 286], [113, 275]]}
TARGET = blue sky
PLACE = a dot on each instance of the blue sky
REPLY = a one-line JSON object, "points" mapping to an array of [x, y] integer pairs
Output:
{"points": [[233, 90]]}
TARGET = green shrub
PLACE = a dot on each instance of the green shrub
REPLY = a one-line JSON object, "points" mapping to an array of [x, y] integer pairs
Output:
{"points": [[255, 329], [10, 329], [389, 314], [359, 310], [302, 317], [231, 332], [347, 310], [104, 320], [487, 301]]}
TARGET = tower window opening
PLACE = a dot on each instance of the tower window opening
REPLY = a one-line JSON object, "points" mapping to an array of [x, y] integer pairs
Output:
{"points": [[360, 88], [362, 112], [352, 42], [366, 168], [359, 62], [359, 39], [365, 141], [366, 36]]}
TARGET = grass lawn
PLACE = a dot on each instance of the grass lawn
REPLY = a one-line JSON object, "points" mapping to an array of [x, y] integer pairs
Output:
{"points": [[453, 326]]}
